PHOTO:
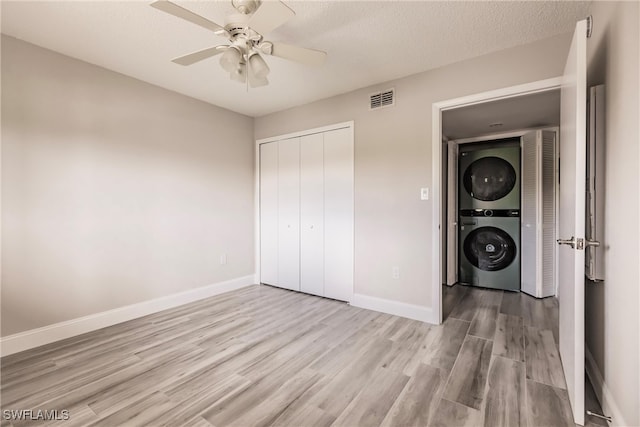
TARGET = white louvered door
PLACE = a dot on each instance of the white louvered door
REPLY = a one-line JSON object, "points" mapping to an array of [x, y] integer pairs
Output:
{"points": [[452, 213], [548, 212], [530, 214], [537, 236]]}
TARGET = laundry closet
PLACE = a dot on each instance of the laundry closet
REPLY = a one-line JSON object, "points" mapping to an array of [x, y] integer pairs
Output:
{"points": [[501, 191]]}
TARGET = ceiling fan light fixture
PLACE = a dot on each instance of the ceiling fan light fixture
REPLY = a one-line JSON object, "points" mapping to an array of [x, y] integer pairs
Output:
{"points": [[245, 6], [243, 59], [258, 67], [256, 82], [231, 58], [239, 73]]}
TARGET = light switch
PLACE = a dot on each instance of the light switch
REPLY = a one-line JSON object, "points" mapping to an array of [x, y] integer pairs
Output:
{"points": [[424, 193]]}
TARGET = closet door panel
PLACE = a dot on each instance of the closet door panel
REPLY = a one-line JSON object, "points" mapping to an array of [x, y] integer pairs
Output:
{"points": [[269, 213], [548, 214], [289, 214], [312, 214], [338, 214], [529, 216]]}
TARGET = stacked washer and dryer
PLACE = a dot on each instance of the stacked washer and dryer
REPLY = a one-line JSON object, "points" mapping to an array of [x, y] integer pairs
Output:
{"points": [[489, 214]]}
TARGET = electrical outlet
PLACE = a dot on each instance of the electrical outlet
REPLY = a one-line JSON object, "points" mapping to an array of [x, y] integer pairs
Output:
{"points": [[395, 272], [223, 259]]}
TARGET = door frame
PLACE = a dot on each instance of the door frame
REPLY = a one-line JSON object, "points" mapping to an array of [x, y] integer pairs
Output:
{"points": [[436, 167], [256, 194]]}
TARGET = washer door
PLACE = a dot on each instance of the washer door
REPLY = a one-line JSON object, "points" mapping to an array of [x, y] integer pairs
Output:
{"points": [[489, 178], [489, 248]]}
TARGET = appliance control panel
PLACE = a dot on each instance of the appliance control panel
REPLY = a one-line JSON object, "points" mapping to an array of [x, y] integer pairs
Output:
{"points": [[491, 212]]}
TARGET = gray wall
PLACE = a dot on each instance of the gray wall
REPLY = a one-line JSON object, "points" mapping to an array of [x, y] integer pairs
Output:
{"points": [[612, 311], [114, 191], [393, 159]]}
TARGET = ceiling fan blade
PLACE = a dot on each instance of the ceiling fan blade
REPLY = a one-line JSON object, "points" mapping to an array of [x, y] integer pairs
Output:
{"points": [[194, 57], [187, 15], [302, 55], [269, 16]]}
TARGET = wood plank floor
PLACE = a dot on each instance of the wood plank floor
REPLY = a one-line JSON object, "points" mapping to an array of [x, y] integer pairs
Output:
{"points": [[264, 356]]}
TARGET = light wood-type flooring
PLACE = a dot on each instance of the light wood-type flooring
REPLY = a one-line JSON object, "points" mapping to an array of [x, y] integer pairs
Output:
{"points": [[265, 356]]}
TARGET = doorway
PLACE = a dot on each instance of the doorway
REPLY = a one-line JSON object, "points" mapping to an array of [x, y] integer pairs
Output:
{"points": [[510, 94]]}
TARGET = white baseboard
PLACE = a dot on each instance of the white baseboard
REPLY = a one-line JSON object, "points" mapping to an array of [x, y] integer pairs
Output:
{"points": [[402, 309], [58, 331], [607, 402]]}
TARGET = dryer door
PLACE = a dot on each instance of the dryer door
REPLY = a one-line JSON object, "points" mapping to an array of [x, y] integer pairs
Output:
{"points": [[490, 178]]}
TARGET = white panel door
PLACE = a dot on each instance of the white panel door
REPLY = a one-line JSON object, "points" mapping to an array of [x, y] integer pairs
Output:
{"points": [[289, 214], [572, 218], [269, 213], [312, 214], [529, 213], [338, 214], [452, 213]]}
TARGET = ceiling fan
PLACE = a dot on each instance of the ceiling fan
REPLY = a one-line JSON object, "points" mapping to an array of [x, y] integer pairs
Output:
{"points": [[245, 30]]}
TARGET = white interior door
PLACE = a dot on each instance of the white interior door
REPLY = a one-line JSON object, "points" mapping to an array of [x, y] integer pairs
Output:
{"points": [[452, 213], [269, 213], [312, 214], [572, 218], [289, 214], [338, 214]]}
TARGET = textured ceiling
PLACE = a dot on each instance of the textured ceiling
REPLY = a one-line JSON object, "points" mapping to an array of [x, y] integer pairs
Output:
{"points": [[367, 42], [543, 109]]}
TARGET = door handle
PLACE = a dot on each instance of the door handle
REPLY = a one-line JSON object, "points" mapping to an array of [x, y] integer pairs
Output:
{"points": [[571, 242], [580, 243]]}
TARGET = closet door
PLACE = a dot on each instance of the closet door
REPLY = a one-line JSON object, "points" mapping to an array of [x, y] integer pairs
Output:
{"points": [[538, 213], [530, 214], [289, 214], [452, 214], [269, 213], [548, 213], [338, 214], [312, 214]]}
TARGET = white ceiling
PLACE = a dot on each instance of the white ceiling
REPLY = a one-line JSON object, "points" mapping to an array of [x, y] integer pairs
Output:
{"points": [[523, 112], [367, 42]]}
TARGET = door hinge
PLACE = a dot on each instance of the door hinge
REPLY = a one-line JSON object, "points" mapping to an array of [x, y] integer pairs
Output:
{"points": [[589, 26]]}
